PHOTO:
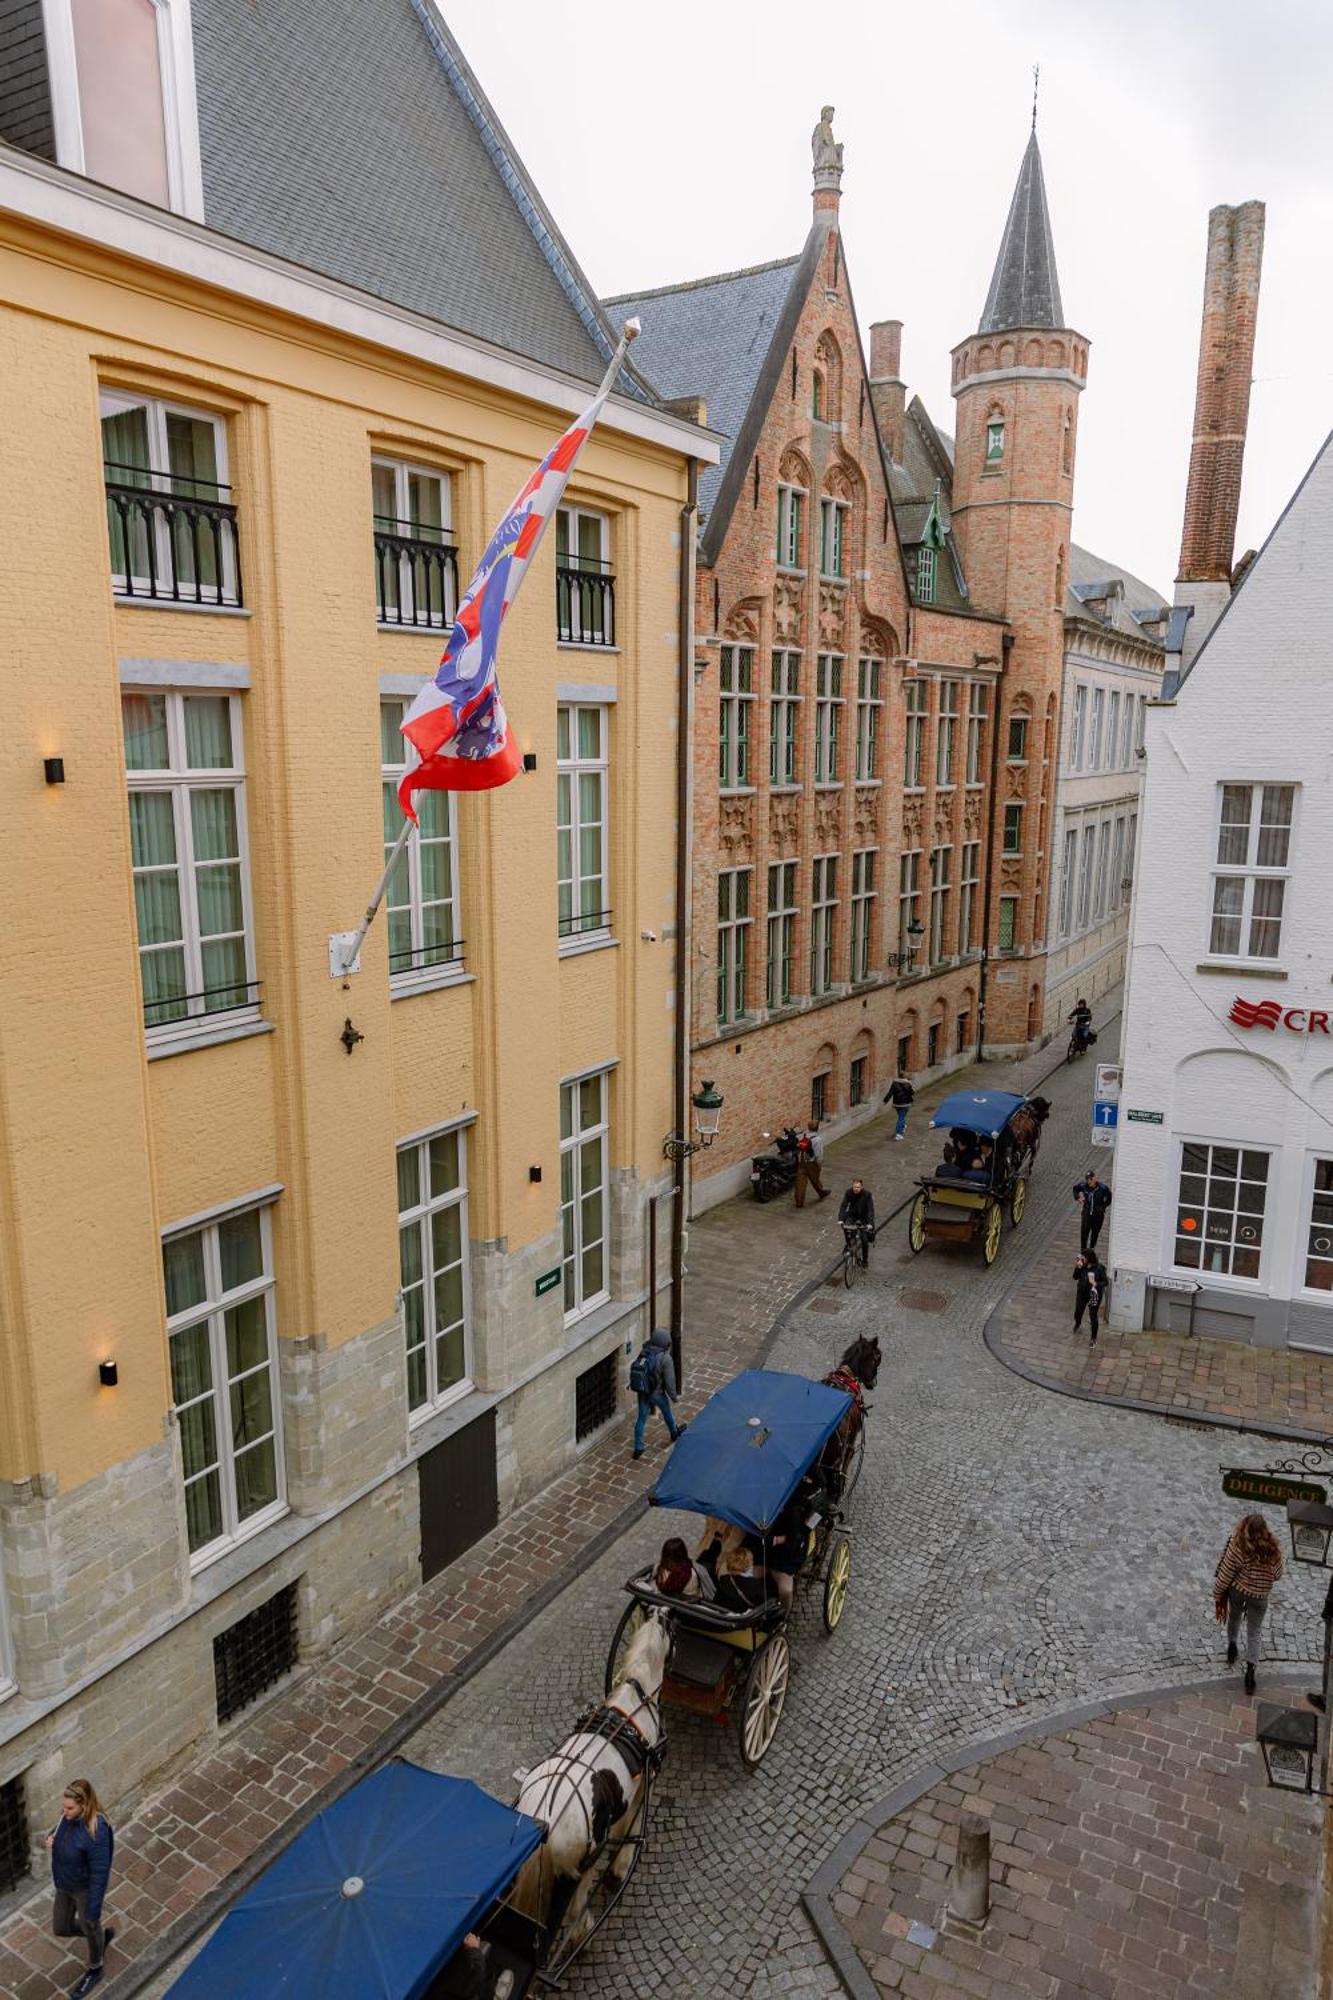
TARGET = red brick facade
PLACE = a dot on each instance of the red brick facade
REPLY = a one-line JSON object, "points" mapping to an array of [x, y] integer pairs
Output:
{"points": [[1222, 396]]}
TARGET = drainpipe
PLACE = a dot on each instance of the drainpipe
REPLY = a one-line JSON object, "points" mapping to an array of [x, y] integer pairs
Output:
{"points": [[680, 1112], [1006, 644]]}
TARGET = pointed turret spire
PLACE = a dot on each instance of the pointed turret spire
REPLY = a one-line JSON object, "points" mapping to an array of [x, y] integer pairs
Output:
{"points": [[1025, 290]]}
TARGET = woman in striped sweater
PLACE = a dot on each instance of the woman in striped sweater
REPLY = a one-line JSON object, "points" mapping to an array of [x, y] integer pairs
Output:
{"points": [[1251, 1564]]}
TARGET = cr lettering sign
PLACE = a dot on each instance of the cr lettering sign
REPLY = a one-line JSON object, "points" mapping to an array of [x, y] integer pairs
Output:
{"points": [[1271, 1014]]}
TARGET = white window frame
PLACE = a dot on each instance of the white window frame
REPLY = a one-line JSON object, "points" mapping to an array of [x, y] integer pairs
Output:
{"points": [[735, 703], [828, 716], [1078, 719], [1143, 721], [926, 574], [1068, 881], [1227, 1279], [1249, 872], [994, 440], [419, 1217], [946, 733], [1113, 730], [1114, 892], [917, 694], [573, 516], [1100, 903], [978, 706], [1095, 729], [180, 104], [405, 470], [1127, 731], [158, 479], [791, 526], [778, 987], [909, 898], [939, 902], [176, 779], [869, 678], [1131, 842], [784, 709], [573, 1246], [1086, 854], [414, 977], [213, 1309], [1304, 1241], [735, 888], [823, 917], [833, 522], [595, 926], [863, 914], [969, 881]]}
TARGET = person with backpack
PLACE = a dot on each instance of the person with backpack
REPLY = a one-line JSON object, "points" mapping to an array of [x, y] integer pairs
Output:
{"points": [[901, 1096], [809, 1168], [652, 1377]]}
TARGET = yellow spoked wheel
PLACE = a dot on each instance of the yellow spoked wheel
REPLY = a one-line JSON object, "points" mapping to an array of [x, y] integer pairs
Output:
{"points": [[763, 1699], [916, 1224], [990, 1242], [1018, 1201], [836, 1582]]}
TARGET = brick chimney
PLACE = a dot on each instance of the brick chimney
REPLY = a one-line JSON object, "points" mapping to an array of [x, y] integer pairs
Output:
{"points": [[887, 390], [1221, 414]]}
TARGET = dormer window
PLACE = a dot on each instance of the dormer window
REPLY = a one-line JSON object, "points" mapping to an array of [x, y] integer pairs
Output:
{"points": [[995, 440], [123, 97], [925, 575]]}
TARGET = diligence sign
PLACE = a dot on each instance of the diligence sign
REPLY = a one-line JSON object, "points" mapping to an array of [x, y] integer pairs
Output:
{"points": [[1269, 1489]]}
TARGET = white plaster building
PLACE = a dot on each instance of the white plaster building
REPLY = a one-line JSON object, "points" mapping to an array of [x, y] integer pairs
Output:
{"points": [[1114, 631], [1224, 1160]]}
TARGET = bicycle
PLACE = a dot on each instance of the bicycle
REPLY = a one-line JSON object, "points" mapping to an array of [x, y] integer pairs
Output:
{"points": [[857, 1239], [1078, 1046]]}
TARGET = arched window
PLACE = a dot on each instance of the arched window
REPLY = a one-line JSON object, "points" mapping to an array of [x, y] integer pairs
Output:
{"points": [[817, 396], [1067, 443], [995, 435]]}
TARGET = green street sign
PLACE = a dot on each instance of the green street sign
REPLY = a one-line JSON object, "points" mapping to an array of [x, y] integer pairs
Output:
{"points": [[1144, 1117], [1268, 1488], [547, 1281]]}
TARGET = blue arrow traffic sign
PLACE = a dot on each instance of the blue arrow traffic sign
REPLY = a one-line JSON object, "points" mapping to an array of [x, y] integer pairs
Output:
{"points": [[1105, 1114]]}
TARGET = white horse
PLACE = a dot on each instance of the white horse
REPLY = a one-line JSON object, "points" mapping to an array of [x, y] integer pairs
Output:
{"points": [[589, 1794]]}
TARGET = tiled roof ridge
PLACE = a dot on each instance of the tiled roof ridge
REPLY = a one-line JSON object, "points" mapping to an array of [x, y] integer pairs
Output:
{"points": [[523, 191], [697, 284]]}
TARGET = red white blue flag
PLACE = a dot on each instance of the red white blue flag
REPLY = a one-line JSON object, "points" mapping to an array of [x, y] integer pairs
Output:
{"points": [[457, 724]]}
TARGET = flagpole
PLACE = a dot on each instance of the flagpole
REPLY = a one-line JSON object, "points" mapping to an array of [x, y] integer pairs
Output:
{"points": [[630, 332]]}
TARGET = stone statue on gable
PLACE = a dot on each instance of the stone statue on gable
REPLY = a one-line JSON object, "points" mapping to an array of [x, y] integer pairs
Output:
{"points": [[827, 152]]}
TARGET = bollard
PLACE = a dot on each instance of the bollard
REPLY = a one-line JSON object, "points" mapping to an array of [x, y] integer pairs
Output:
{"points": [[969, 1885]]}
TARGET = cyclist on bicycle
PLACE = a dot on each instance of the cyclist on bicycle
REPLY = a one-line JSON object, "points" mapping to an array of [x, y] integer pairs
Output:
{"points": [[856, 1213], [1081, 1018]]}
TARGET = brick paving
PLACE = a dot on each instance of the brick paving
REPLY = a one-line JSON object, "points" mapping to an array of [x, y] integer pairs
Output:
{"points": [[1140, 1857], [1178, 1374]]}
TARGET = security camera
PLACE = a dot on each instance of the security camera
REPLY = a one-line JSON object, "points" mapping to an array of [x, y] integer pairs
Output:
{"points": [[649, 937]]}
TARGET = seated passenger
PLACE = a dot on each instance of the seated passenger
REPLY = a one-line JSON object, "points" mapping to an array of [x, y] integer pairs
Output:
{"points": [[718, 1540], [740, 1584], [789, 1543], [980, 1169], [678, 1575]]}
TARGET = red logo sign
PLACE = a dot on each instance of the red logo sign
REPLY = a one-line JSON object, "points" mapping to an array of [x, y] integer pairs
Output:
{"points": [[1271, 1014]]}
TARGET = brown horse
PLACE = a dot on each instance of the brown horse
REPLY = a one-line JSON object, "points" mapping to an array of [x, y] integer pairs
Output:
{"points": [[858, 1370], [1026, 1125]]}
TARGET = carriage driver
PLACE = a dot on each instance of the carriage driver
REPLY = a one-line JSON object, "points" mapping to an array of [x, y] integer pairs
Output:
{"points": [[787, 1547]]}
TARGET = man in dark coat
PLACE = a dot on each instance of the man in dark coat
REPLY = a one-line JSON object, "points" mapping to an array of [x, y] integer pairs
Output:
{"points": [[1093, 1198]]}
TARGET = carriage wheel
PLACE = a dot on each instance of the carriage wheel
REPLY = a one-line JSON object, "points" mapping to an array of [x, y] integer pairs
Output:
{"points": [[762, 1699], [631, 1620], [835, 1583], [853, 1459], [1018, 1201], [916, 1224], [763, 1187], [990, 1242]]}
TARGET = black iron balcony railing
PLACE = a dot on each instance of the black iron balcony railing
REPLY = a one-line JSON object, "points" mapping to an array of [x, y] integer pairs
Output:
{"points": [[172, 538], [584, 923], [426, 958], [585, 603], [207, 1005], [416, 575]]}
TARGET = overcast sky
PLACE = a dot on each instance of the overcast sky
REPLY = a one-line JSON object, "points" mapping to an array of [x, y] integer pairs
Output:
{"points": [[673, 142]]}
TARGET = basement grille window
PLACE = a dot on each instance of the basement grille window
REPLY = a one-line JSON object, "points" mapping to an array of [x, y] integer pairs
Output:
{"points": [[254, 1653], [15, 1859], [595, 1397]]}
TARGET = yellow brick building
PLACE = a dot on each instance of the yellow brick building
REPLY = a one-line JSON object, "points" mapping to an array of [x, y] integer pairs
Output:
{"points": [[361, 1256]]}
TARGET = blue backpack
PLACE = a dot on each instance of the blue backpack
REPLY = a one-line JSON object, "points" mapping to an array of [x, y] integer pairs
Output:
{"points": [[644, 1371]]}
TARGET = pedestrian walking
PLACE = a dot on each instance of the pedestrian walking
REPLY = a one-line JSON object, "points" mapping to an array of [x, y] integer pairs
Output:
{"points": [[1090, 1298], [1251, 1564], [652, 1376], [1092, 1198], [901, 1096], [81, 1844], [809, 1155]]}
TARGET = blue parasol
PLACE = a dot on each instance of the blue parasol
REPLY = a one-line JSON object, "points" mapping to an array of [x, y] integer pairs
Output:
{"points": [[985, 1112], [743, 1455]]}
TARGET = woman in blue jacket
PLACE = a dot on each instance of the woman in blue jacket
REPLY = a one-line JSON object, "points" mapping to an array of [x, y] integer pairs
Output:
{"points": [[81, 1845]]}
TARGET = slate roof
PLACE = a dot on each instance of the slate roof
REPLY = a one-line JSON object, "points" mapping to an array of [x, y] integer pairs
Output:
{"points": [[352, 138], [711, 338], [1025, 290], [1093, 577]]}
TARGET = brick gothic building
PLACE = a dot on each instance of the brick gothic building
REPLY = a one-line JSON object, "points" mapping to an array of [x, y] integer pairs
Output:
{"points": [[871, 607]]}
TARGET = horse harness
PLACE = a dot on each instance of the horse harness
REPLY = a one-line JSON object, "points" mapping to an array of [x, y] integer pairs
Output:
{"points": [[843, 1378], [624, 1733]]}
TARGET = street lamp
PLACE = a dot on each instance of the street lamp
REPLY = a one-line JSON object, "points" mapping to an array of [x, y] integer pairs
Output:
{"points": [[707, 1101], [1311, 1525], [914, 933], [1288, 1738]]}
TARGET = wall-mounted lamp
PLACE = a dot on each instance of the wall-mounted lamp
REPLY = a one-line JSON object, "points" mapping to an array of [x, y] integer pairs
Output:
{"points": [[53, 770], [529, 760], [107, 1374], [534, 1173], [350, 1036]]}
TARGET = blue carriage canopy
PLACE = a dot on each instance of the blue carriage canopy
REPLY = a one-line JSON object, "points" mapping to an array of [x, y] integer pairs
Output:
{"points": [[372, 1899], [983, 1112], [743, 1455]]}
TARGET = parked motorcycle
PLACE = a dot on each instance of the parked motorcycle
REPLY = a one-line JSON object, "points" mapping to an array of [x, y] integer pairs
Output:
{"points": [[772, 1173]]}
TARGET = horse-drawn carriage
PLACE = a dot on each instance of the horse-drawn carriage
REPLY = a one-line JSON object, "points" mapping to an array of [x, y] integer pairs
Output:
{"points": [[748, 1455], [993, 1140]]}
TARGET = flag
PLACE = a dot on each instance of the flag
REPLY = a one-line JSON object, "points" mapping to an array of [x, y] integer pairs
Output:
{"points": [[457, 724], [932, 534]]}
